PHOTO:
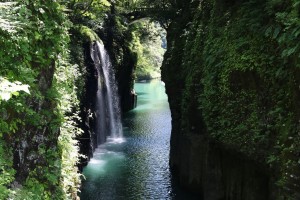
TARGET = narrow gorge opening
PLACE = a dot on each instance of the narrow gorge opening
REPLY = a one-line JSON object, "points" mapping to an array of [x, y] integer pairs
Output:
{"points": [[132, 165]]}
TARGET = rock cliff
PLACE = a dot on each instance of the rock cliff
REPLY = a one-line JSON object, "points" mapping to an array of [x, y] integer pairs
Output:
{"points": [[231, 74]]}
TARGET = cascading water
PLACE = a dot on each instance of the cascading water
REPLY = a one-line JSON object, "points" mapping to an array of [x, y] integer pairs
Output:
{"points": [[108, 113]]}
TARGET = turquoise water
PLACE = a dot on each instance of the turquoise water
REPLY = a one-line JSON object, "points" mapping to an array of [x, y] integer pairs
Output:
{"points": [[136, 167]]}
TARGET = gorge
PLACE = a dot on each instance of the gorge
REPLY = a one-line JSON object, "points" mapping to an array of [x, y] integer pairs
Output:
{"points": [[227, 129]]}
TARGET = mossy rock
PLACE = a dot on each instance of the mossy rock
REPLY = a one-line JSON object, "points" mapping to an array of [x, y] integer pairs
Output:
{"points": [[88, 34]]}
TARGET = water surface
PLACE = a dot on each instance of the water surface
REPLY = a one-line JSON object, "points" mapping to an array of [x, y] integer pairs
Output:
{"points": [[136, 167]]}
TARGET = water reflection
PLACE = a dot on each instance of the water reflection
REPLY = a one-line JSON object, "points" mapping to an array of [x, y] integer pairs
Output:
{"points": [[136, 167]]}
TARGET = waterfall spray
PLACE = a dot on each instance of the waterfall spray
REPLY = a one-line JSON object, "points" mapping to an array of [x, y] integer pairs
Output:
{"points": [[108, 112]]}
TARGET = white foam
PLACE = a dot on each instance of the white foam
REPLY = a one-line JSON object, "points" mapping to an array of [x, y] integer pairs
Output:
{"points": [[117, 140]]}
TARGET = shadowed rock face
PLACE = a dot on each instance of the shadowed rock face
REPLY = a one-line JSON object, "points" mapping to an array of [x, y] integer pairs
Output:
{"points": [[217, 173], [223, 98], [88, 108]]}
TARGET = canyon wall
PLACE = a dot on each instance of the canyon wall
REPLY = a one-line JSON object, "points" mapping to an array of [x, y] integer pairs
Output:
{"points": [[232, 76]]}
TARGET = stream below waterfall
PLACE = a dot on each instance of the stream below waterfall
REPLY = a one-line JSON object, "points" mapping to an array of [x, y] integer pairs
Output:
{"points": [[136, 167]]}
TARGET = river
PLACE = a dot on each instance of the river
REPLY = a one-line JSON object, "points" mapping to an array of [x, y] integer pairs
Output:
{"points": [[136, 167]]}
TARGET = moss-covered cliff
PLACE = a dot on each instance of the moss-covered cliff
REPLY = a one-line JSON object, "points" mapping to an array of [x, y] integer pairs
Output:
{"points": [[47, 93], [37, 130], [232, 75]]}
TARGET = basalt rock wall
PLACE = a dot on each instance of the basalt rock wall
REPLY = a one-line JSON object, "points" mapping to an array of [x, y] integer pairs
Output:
{"points": [[232, 76]]}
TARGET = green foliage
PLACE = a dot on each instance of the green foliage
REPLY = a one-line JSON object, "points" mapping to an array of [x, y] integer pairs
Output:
{"points": [[66, 76], [88, 33], [90, 9], [8, 89], [240, 69], [39, 127], [7, 172], [7, 16], [147, 45], [134, 4]]}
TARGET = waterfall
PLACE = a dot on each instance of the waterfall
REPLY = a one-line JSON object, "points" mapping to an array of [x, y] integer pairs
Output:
{"points": [[108, 113]]}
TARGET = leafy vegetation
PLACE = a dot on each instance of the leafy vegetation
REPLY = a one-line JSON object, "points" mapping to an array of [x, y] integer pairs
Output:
{"points": [[67, 76], [9, 89], [37, 132], [146, 43], [240, 66]]}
